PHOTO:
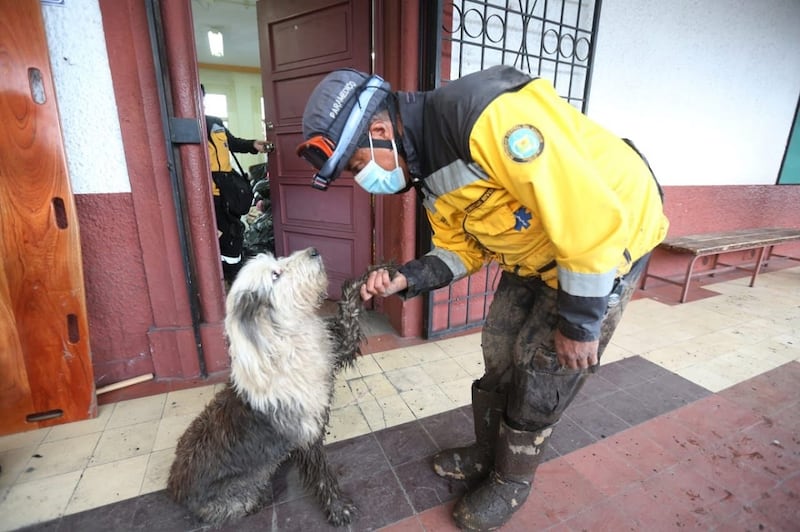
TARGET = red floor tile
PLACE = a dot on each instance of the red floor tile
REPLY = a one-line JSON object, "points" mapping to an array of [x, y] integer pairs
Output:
{"points": [[654, 510], [563, 491], [605, 467], [672, 435], [606, 516], [780, 506], [410, 524], [691, 493], [786, 376], [560, 527], [713, 418], [768, 448], [788, 417], [767, 393], [792, 483], [533, 515], [640, 452], [750, 520], [713, 465], [729, 470], [709, 516], [439, 518]]}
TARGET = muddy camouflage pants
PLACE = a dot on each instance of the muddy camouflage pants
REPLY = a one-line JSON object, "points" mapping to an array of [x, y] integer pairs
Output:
{"points": [[519, 353]]}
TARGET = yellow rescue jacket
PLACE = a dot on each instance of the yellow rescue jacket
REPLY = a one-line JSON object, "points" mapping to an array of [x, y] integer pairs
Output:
{"points": [[221, 142], [522, 177]]}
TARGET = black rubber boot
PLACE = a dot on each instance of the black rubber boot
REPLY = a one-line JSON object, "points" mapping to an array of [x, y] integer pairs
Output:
{"points": [[475, 461], [493, 503]]}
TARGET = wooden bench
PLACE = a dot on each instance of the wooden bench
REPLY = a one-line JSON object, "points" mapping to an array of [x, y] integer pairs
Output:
{"points": [[714, 244]]}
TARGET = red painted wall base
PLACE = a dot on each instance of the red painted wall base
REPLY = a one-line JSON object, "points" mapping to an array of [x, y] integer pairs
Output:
{"points": [[702, 209]]}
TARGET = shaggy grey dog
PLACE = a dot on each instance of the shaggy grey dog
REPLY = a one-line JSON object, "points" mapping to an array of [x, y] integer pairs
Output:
{"points": [[284, 357]]}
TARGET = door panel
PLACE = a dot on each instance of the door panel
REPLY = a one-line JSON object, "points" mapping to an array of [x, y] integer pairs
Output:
{"points": [[293, 35], [300, 43], [45, 365]]}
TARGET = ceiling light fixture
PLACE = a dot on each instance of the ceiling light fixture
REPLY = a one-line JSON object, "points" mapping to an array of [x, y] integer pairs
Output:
{"points": [[215, 44]]}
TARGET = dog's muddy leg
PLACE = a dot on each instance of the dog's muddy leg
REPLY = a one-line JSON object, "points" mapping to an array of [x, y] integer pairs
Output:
{"points": [[345, 328], [232, 497], [319, 478]]}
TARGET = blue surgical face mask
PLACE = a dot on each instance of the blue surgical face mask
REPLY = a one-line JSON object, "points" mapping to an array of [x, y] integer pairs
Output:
{"points": [[376, 180]]}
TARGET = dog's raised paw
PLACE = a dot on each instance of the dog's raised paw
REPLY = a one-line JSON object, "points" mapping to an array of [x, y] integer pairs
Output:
{"points": [[341, 511], [351, 294]]}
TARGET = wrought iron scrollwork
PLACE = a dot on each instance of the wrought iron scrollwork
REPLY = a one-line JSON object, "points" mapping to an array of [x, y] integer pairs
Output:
{"points": [[527, 31]]}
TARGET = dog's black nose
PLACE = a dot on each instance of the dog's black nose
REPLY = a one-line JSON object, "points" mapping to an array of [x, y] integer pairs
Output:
{"points": [[314, 252]]}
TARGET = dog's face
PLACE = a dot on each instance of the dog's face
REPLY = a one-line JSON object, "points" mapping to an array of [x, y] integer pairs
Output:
{"points": [[296, 285], [273, 326]]}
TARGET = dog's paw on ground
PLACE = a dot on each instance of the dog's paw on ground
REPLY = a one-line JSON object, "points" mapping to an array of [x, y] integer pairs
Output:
{"points": [[341, 511]]}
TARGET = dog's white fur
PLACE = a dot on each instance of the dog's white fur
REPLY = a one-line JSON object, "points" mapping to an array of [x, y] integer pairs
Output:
{"points": [[284, 358], [280, 367]]}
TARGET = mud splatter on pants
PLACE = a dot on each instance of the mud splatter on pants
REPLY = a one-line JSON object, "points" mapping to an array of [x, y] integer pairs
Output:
{"points": [[519, 353]]}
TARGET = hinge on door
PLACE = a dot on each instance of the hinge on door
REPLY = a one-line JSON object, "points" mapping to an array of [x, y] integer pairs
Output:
{"points": [[184, 130]]}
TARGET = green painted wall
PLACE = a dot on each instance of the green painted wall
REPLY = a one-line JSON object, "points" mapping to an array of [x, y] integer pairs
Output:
{"points": [[790, 171]]}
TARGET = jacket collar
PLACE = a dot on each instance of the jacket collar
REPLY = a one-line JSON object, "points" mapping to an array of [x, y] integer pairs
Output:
{"points": [[411, 105]]}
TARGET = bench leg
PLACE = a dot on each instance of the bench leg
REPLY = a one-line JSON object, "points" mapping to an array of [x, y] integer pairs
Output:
{"points": [[688, 278], [758, 265], [644, 275], [767, 256]]}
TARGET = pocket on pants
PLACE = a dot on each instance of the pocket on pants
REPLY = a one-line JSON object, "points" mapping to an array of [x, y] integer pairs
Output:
{"points": [[543, 389]]}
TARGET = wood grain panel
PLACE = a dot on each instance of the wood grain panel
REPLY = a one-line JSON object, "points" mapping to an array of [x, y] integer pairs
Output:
{"points": [[45, 336]]}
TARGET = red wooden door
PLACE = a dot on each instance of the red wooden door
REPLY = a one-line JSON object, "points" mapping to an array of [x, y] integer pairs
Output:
{"points": [[300, 42], [46, 373]]}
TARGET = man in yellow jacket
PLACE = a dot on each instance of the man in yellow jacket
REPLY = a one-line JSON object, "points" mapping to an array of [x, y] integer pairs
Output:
{"points": [[507, 171], [230, 229]]}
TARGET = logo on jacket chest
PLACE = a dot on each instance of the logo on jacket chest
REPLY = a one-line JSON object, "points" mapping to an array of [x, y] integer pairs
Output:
{"points": [[523, 143], [523, 218]]}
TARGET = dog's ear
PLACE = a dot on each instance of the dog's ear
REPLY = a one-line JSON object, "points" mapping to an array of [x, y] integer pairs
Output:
{"points": [[250, 311], [247, 307]]}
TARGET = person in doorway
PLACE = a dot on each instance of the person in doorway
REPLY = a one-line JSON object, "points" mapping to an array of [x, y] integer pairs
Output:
{"points": [[230, 228], [507, 171]]}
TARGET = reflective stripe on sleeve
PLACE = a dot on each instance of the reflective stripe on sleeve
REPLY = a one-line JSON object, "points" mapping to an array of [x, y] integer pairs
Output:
{"points": [[586, 284], [452, 261]]}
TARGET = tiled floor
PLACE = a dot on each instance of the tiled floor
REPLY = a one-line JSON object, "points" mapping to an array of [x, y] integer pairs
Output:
{"points": [[692, 422]]}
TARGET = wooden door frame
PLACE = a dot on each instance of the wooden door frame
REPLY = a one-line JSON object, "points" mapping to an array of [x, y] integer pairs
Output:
{"points": [[179, 341], [174, 345], [397, 53]]}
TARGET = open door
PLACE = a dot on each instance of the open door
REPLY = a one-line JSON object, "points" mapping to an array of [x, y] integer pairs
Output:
{"points": [[301, 42], [45, 364]]}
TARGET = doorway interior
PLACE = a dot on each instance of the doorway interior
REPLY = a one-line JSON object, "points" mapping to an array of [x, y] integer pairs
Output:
{"points": [[227, 44]]}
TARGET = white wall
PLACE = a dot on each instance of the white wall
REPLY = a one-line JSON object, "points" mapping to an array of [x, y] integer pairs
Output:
{"points": [[86, 104], [244, 105], [706, 88]]}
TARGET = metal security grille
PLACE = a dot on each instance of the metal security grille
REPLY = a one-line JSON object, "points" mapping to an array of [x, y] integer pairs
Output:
{"points": [[553, 39]]}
